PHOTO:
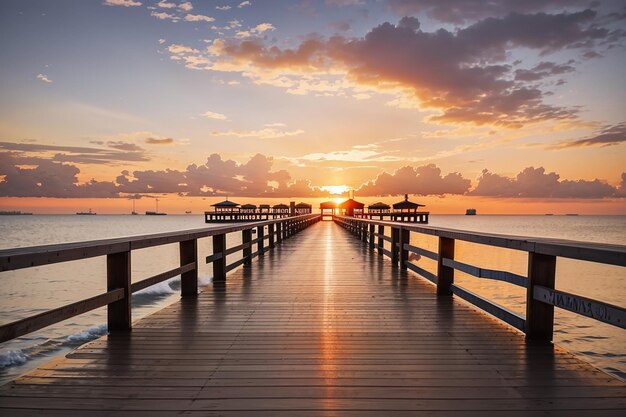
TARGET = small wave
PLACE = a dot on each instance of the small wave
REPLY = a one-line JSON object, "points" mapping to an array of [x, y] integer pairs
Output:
{"points": [[203, 281], [86, 335], [11, 357]]}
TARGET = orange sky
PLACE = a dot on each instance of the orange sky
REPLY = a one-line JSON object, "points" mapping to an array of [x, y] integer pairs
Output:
{"points": [[507, 107]]}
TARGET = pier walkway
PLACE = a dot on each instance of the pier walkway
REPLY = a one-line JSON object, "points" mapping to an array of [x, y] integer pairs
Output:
{"points": [[320, 326]]}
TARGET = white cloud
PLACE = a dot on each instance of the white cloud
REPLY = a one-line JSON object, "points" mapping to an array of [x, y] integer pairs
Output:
{"points": [[181, 49], [213, 115], [267, 133], [274, 125], [44, 78], [165, 16], [223, 7], [161, 41], [198, 18], [165, 5], [186, 6], [243, 34], [244, 4], [263, 27], [124, 3]]}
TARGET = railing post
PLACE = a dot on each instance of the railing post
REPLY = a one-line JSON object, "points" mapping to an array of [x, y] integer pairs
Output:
{"points": [[270, 231], [539, 316], [381, 241], [260, 234], [118, 276], [371, 233], [404, 253], [279, 232], [445, 274], [219, 265], [395, 239], [189, 280], [363, 231], [246, 237]]}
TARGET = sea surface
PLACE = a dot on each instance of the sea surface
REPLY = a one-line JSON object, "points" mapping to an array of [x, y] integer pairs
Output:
{"points": [[30, 291]]}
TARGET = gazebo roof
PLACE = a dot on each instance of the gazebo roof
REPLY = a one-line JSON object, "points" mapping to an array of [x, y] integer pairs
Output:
{"points": [[350, 203], [264, 206], [406, 204], [225, 203], [379, 206], [280, 206], [248, 206], [328, 205], [303, 205]]}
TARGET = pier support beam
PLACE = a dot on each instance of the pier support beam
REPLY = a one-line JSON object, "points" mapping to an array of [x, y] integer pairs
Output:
{"points": [[270, 231], [395, 240], [381, 242], [260, 234], [539, 316], [219, 265], [246, 237], [189, 280], [404, 254], [371, 236], [118, 276], [445, 274]]}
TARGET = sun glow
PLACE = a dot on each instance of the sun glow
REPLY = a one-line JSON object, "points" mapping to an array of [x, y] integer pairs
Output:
{"points": [[335, 189], [338, 200]]}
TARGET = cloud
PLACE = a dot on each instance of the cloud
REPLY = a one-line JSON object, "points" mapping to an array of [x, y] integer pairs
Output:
{"points": [[124, 146], [244, 4], [462, 74], [213, 115], [157, 141], [163, 4], [223, 8], [162, 41], [198, 18], [461, 11], [125, 3], [186, 6], [263, 27], [122, 152], [165, 16], [423, 180], [536, 183], [266, 133], [609, 136], [44, 78]]}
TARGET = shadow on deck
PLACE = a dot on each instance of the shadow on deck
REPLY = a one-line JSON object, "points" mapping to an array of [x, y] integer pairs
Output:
{"points": [[319, 326]]}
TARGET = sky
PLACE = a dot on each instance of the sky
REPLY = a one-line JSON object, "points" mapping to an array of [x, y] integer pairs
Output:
{"points": [[504, 106]]}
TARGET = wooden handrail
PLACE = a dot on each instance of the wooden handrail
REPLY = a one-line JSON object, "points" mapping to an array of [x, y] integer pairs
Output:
{"points": [[541, 297], [118, 253]]}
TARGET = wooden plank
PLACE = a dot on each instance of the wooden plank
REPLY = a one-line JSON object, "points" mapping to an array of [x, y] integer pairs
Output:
{"points": [[494, 274], [33, 323], [495, 310], [604, 312], [148, 282]]}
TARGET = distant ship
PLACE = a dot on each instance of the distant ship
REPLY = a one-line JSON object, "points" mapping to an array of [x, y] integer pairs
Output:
{"points": [[156, 212], [15, 213], [86, 213], [134, 213], [470, 212], [188, 212]]}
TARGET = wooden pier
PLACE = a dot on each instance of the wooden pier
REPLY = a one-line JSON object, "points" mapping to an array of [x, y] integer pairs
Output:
{"points": [[321, 325]]}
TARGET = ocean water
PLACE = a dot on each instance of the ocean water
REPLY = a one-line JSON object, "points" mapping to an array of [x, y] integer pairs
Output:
{"points": [[29, 291]]}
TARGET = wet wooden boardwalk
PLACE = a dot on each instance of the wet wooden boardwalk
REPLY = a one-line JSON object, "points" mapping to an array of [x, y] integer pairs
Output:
{"points": [[319, 327]]}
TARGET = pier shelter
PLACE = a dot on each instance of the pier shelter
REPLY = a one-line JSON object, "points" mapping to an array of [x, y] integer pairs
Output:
{"points": [[327, 209], [226, 206], [303, 208], [351, 207], [378, 210]]}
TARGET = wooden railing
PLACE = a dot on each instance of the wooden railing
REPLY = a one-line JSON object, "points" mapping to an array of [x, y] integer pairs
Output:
{"points": [[541, 294], [117, 298]]}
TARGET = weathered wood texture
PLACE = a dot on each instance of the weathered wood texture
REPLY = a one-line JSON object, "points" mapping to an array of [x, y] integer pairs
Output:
{"points": [[321, 326]]}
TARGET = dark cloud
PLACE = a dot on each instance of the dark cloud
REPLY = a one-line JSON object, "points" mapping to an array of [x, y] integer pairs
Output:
{"points": [[423, 180], [543, 70], [536, 183], [609, 136], [155, 141], [461, 73], [122, 152], [460, 11]]}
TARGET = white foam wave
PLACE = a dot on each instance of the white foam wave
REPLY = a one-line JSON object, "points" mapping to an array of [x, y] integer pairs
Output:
{"points": [[162, 288], [87, 335], [11, 357], [203, 281]]}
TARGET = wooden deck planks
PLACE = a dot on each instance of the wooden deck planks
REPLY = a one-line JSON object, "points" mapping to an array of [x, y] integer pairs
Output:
{"points": [[318, 327]]}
